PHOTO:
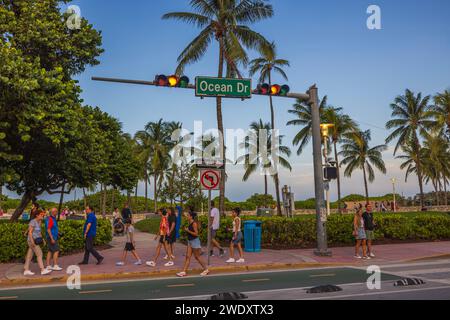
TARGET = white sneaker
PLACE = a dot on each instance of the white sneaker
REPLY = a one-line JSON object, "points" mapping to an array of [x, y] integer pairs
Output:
{"points": [[120, 264], [45, 272], [204, 273], [367, 258], [28, 273], [181, 274], [151, 263], [357, 256], [372, 255], [231, 260], [169, 264], [241, 260], [166, 257], [138, 263], [56, 268]]}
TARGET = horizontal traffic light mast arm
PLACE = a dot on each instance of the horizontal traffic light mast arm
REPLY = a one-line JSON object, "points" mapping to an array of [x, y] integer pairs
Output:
{"points": [[292, 95]]}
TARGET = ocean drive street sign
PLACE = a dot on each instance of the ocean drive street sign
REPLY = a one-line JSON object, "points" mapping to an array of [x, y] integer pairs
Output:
{"points": [[222, 87]]}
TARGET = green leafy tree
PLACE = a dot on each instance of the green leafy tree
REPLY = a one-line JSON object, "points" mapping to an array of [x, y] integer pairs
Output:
{"points": [[411, 118], [225, 21], [441, 110], [358, 155]]}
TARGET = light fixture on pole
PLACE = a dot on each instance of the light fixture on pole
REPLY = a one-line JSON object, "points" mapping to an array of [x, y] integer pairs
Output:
{"points": [[324, 128], [393, 180]]}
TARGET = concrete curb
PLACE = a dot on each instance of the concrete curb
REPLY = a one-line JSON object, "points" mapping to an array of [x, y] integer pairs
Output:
{"points": [[165, 273]]}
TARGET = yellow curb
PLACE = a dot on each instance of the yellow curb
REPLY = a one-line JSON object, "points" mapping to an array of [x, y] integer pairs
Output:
{"points": [[165, 273]]}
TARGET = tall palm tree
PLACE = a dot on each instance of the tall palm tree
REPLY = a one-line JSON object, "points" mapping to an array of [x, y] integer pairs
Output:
{"points": [[343, 125], [411, 118], [225, 21], [358, 155], [302, 112], [265, 65], [441, 110], [263, 157], [143, 153]]}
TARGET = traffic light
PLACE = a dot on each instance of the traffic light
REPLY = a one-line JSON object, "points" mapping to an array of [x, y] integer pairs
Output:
{"points": [[274, 90], [171, 81]]}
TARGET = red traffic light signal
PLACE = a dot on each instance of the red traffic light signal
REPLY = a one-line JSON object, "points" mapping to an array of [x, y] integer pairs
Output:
{"points": [[171, 81], [274, 90]]}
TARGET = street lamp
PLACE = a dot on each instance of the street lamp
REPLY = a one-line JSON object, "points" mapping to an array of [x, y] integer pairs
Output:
{"points": [[393, 180], [324, 128]]}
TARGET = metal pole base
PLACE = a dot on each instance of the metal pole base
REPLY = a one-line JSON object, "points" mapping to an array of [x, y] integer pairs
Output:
{"points": [[323, 253]]}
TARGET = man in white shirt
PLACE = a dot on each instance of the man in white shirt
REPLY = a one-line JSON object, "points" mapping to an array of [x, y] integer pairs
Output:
{"points": [[215, 226]]}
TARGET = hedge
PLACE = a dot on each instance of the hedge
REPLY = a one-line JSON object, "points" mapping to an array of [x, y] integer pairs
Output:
{"points": [[300, 232], [13, 242]]}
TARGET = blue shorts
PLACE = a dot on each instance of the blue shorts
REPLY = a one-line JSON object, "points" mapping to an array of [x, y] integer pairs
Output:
{"points": [[238, 238], [361, 234], [195, 244]]}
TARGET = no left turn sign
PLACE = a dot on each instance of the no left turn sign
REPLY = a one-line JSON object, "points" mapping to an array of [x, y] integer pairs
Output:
{"points": [[210, 179]]}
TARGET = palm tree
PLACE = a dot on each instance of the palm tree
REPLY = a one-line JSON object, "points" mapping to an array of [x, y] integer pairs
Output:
{"points": [[412, 117], [263, 157], [358, 155], [225, 21], [343, 125], [143, 151], [303, 114], [264, 65], [441, 110]]}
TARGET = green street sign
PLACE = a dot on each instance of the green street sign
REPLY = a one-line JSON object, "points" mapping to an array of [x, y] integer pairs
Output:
{"points": [[222, 87]]}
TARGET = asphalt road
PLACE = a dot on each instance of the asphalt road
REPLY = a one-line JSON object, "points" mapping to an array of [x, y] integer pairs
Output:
{"points": [[276, 285]]}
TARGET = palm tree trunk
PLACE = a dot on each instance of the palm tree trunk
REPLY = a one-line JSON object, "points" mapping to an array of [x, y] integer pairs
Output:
{"points": [[136, 192], [436, 193], [112, 199], [265, 191], [61, 199], [336, 158], [104, 200], [84, 198], [146, 191], [155, 192], [365, 184], [276, 177], [220, 128], [445, 192]]}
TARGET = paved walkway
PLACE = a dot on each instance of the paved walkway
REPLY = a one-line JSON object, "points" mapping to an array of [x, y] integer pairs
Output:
{"points": [[11, 274]]}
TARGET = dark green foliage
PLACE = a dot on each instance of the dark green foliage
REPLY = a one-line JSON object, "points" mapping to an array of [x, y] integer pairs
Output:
{"points": [[13, 242]]}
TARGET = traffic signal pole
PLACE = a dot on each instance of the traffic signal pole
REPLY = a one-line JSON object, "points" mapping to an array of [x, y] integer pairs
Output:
{"points": [[312, 98]]}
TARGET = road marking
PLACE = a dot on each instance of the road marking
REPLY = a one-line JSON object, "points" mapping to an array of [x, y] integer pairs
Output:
{"points": [[376, 293], [181, 285], [8, 298], [322, 275], [255, 280], [94, 291], [424, 271]]}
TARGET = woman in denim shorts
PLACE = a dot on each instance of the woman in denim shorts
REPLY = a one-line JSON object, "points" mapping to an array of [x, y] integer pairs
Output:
{"points": [[194, 245], [237, 238], [360, 235]]}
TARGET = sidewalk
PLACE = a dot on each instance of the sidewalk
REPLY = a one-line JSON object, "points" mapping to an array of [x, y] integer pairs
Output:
{"points": [[12, 274]]}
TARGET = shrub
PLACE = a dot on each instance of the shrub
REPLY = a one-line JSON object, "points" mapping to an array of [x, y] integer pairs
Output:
{"points": [[300, 231], [13, 242]]}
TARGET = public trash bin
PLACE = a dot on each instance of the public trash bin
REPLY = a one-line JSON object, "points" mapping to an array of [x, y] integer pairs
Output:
{"points": [[252, 236]]}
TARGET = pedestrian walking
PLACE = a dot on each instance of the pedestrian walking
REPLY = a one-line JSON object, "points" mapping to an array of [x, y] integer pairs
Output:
{"points": [[360, 235], [215, 226], [126, 213], [369, 226], [34, 210], [35, 240], [237, 237], [52, 235], [172, 237], [130, 245], [194, 246], [90, 232], [163, 235]]}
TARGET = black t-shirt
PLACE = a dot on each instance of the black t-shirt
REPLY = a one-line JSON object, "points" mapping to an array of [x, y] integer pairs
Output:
{"points": [[368, 221], [126, 214], [172, 220]]}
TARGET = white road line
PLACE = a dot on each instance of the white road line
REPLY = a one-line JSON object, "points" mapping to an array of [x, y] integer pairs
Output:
{"points": [[425, 271], [376, 293], [398, 265], [94, 291]]}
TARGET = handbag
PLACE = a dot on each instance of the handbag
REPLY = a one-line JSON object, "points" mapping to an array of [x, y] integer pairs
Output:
{"points": [[38, 241]]}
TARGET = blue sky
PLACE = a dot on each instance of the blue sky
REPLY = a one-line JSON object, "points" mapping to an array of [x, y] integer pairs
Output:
{"points": [[327, 43]]}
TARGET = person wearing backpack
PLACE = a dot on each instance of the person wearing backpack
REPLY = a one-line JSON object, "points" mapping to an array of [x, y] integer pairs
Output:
{"points": [[52, 235]]}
